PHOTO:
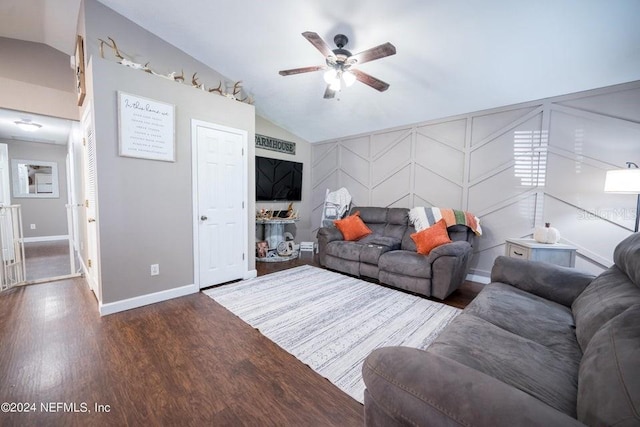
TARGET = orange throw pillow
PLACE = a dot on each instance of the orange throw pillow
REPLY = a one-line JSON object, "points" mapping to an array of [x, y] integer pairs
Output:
{"points": [[431, 237], [352, 227]]}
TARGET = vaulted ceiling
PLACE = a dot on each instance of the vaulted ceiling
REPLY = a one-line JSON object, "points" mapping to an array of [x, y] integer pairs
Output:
{"points": [[452, 56]]}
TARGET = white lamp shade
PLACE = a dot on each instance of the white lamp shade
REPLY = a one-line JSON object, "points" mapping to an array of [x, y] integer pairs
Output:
{"points": [[335, 85], [349, 78], [622, 181], [330, 76]]}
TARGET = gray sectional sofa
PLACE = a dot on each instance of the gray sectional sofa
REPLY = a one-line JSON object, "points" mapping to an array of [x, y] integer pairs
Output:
{"points": [[541, 345], [389, 254]]}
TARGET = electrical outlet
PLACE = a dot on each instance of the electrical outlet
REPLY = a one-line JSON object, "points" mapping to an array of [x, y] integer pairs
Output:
{"points": [[155, 269], [33, 226]]}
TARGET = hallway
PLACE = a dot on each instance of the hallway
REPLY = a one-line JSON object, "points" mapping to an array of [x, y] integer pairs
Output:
{"points": [[47, 259]]}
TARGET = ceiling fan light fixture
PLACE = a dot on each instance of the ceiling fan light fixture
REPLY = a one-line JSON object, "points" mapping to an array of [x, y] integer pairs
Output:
{"points": [[330, 76], [27, 125], [339, 62], [349, 78], [335, 84]]}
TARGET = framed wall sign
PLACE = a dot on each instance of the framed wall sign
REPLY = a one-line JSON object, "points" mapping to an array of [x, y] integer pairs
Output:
{"points": [[146, 128], [275, 144], [80, 80]]}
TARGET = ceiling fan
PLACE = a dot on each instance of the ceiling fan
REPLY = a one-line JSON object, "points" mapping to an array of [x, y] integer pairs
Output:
{"points": [[340, 63]]}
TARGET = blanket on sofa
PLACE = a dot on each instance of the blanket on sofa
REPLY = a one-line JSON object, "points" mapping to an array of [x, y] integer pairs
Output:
{"points": [[424, 217]]}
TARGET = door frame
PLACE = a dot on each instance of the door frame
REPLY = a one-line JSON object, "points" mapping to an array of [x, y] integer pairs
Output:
{"points": [[194, 193], [5, 182], [93, 281]]}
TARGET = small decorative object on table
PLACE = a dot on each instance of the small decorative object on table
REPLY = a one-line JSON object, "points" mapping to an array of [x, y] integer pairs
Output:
{"points": [[264, 214], [291, 213], [285, 249], [262, 249], [546, 234]]}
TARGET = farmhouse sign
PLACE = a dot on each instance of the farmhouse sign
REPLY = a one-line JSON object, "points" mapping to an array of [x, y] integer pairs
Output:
{"points": [[274, 144]]}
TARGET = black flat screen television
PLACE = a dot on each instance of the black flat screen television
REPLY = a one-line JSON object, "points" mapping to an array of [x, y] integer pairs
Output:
{"points": [[278, 180]]}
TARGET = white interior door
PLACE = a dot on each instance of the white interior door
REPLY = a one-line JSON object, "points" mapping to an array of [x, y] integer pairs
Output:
{"points": [[221, 199], [89, 180]]}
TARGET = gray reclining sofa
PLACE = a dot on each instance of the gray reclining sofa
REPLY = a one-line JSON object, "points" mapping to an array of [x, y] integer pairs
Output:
{"points": [[541, 345], [389, 254]]}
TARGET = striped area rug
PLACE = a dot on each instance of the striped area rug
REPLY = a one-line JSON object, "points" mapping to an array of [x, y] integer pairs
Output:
{"points": [[331, 322]]}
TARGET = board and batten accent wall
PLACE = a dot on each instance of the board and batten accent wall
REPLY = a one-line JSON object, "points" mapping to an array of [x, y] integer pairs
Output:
{"points": [[515, 167]]}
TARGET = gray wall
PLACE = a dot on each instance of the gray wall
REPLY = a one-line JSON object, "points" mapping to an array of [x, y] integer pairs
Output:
{"points": [[21, 56], [515, 167], [49, 215], [144, 206], [36, 78], [302, 229]]}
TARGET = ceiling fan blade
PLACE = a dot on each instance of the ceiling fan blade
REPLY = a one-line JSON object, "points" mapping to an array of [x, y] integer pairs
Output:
{"points": [[377, 52], [369, 80], [302, 70], [329, 93], [317, 41]]}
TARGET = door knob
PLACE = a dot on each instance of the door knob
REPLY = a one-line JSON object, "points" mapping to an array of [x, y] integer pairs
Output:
{"points": [[203, 218], [91, 219]]}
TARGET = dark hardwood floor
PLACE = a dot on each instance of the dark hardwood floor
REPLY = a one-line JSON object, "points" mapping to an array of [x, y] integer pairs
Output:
{"points": [[187, 361], [47, 259]]}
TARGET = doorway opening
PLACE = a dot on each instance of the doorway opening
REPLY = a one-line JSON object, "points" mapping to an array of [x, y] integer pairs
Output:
{"points": [[38, 185]]}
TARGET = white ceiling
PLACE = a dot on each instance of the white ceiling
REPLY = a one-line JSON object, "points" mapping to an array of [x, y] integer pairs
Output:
{"points": [[53, 130], [52, 22], [41, 21], [452, 57]]}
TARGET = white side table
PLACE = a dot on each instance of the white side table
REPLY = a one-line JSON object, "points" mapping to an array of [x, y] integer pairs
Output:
{"points": [[556, 253]]}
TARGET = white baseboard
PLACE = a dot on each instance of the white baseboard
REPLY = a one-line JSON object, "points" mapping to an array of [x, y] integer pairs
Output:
{"points": [[142, 300], [45, 238], [478, 279], [250, 274]]}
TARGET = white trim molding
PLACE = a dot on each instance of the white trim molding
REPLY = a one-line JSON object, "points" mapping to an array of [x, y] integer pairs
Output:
{"points": [[251, 274], [45, 238], [478, 278], [142, 300]]}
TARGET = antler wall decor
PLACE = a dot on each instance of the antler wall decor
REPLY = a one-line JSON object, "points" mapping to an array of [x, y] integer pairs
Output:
{"points": [[122, 60], [237, 86]]}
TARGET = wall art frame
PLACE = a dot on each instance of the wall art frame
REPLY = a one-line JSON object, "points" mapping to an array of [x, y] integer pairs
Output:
{"points": [[146, 128], [81, 88]]}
